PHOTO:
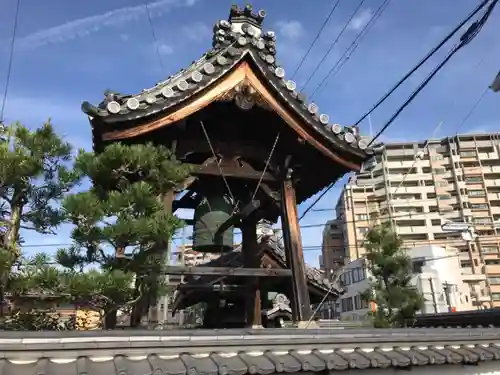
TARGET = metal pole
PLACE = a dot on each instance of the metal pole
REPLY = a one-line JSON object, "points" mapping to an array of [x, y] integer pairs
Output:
{"points": [[447, 295], [434, 301], [481, 258], [183, 263]]}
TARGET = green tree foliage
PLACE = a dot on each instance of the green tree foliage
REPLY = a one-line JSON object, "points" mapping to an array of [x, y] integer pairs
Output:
{"points": [[34, 176], [123, 213], [391, 268]]}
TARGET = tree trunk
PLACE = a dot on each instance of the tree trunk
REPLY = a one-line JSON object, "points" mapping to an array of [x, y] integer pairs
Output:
{"points": [[110, 320]]}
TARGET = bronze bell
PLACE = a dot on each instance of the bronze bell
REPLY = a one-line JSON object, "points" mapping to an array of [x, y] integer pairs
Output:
{"points": [[213, 211]]}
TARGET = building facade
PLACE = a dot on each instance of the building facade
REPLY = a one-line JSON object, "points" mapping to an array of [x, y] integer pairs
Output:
{"points": [[437, 278], [418, 187]]}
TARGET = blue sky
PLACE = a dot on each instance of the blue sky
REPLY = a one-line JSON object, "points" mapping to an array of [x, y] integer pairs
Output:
{"points": [[67, 52]]}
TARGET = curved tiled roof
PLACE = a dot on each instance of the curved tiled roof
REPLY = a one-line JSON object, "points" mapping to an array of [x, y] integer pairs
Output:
{"points": [[246, 352], [236, 40]]}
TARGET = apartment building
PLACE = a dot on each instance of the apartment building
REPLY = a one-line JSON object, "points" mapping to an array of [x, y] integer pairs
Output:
{"points": [[437, 278], [418, 186]]}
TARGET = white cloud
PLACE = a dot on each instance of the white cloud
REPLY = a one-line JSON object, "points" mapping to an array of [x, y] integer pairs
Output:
{"points": [[290, 29], [83, 27], [165, 49], [197, 31], [359, 21]]}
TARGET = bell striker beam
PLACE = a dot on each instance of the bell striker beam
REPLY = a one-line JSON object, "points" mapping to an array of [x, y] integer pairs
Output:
{"points": [[300, 301]]}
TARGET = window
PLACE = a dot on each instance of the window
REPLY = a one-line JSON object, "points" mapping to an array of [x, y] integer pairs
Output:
{"points": [[439, 171], [477, 193], [467, 154], [465, 263], [479, 206], [418, 265], [441, 183], [495, 296], [345, 278], [363, 230], [437, 157], [489, 249], [355, 275], [492, 262], [362, 217], [494, 280], [472, 180], [360, 303], [444, 197], [482, 220], [346, 304]]}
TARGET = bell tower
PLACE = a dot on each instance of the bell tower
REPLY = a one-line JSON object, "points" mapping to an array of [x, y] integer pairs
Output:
{"points": [[257, 148]]}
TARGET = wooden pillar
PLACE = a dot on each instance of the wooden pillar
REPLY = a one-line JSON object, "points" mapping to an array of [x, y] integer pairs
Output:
{"points": [[300, 303], [251, 259]]}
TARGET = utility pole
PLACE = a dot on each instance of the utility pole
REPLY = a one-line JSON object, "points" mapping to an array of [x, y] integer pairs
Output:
{"points": [[434, 301], [183, 263], [447, 287], [470, 236]]}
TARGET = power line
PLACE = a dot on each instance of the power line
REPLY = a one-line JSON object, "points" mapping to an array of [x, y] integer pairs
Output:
{"points": [[315, 70], [155, 40], [473, 109], [316, 38], [465, 39], [424, 60], [316, 200], [11, 59], [408, 215], [352, 47]]}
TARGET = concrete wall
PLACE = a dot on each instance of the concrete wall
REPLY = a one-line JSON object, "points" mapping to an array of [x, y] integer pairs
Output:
{"points": [[438, 266]]}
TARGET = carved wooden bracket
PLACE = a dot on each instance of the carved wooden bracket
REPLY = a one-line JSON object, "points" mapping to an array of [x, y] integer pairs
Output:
{"points": [[245, 97]]}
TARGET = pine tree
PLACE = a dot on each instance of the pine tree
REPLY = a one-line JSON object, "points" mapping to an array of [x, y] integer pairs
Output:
{"points": [[397, 301], [122, 226], [34, 176]]}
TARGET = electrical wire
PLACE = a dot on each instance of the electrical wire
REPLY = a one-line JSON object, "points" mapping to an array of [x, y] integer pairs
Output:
{"points": [[352, 47], [155, 39], [424, 60], [412, 215], [311, 206], [466, 38], [327, 53], [315, 39], [473, 109], [11, 60]]}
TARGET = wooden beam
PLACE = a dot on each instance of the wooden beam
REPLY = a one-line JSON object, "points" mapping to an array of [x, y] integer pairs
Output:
{"points": [[229, 149], [227, 271], [300, 301], [231, 172], [209, 288], [251, 258]]}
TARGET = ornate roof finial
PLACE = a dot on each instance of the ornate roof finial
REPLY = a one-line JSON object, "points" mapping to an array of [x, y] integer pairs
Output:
{"points": [[240, 16]]}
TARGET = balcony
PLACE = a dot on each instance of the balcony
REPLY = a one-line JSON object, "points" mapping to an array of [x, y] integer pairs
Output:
{"points": [[492, 182], [472, 171], [471, 277], [493, 196], [412, 230], [492, 269], [488, 155]]}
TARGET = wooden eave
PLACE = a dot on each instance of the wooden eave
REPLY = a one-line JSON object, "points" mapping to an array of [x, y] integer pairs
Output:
{"points": [[246, 60]]}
